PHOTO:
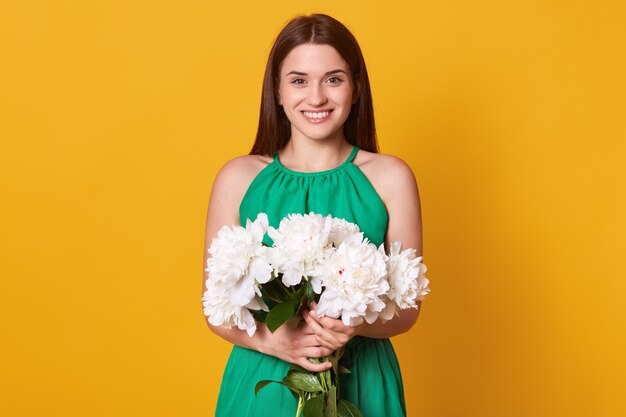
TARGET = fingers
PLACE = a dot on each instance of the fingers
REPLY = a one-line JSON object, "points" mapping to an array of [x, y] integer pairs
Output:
{"points": [[313, 367], [309, 346], [328, 322], [322, 336], [305, 328], [330, 332], [309, 342], [320, 341], [316, 352], [332, 324], [313, 323], [296, 345]]}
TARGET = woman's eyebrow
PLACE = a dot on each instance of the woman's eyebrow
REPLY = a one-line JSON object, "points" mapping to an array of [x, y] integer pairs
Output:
{"points": [[328, 73]]}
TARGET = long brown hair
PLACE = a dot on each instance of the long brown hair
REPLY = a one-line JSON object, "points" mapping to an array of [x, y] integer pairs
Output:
{"points": [[274, 128]]}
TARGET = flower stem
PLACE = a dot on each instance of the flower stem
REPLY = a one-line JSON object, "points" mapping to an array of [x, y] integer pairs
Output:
{"points": [[323, 380], [300, 405]]}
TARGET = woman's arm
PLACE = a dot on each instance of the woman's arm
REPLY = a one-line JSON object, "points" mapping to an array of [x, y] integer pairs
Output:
{"points": [[400, 194], [293, 345], [395, 183]]}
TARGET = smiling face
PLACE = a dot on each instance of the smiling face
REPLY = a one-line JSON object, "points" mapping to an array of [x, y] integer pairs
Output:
{"points": [[316, 92]]}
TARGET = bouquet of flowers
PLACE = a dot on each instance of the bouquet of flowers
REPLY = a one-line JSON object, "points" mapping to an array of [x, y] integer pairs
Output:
{"points": [[313, 259]]}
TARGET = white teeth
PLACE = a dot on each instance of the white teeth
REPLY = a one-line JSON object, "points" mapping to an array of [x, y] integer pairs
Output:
{"points": [[319, 115]]}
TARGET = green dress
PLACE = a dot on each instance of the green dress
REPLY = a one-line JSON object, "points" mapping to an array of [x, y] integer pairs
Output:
{"points": [[375, 383]]}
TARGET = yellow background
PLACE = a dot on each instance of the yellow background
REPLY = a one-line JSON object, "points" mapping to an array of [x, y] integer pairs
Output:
{"points": [[116, 115]]}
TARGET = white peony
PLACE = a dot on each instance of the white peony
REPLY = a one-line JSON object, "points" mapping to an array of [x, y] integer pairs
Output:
{"points": [[238, 259], [422, 281], [221, 311], [360, 282], [354, 282], [236, 268], [341, 229], [301, 243], [407, 282]]}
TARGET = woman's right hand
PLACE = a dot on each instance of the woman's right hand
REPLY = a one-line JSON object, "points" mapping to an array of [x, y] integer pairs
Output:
{"points": [[295, 345]]}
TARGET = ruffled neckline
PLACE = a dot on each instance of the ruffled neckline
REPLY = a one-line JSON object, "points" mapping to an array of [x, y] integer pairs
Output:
{"points": [[348, 161]]}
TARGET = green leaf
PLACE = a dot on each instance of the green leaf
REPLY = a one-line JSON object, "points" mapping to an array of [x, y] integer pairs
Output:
{"points": [[314, 407], [330, 410], [334, 359], [279, 314], [294, 390], [282, 312], [275, 290], [298, 368], [344, 370], [299, 298], [258, 315], [304, 381], [261, 384], [308, 292], [346, 409]]}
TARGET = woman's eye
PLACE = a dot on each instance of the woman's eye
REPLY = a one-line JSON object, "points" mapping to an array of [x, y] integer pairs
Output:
{"points": [[297, 81], [334, 80]]}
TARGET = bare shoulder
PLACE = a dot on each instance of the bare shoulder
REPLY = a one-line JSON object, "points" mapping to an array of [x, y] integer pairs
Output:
{"points": [[230, 185], [393, 180], [244, 165], [388, 174], [239, 172]]}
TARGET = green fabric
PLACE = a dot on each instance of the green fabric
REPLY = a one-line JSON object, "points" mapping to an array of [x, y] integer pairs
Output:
{"points": [[375, 383]]}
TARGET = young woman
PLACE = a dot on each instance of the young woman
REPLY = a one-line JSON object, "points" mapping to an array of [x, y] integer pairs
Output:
{"points": [[316, 151]]}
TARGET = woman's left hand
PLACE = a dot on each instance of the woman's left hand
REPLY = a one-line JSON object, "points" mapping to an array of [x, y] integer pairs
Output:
{"points": [[330, 333]]}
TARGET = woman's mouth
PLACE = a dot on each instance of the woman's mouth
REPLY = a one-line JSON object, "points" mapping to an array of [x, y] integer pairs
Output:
{"points": [[317, 116]]}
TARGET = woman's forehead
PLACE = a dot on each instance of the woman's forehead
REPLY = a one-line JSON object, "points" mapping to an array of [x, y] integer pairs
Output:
{"points": [[312, 58]]}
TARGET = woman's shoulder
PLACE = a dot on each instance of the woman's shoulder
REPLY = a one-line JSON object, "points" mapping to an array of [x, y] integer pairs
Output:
{"points": [[393, 180], [391, 177], [237, 173], [388, 171], [243, 166]]}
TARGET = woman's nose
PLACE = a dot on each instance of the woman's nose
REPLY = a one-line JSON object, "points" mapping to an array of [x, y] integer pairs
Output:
{"points": [[317, 97]]}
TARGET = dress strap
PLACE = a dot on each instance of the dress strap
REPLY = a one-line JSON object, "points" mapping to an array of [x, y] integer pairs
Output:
{"points": [[352, 155]]}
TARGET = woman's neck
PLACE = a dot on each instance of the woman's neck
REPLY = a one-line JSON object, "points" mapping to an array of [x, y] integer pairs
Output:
{"points": [[314, 156]]}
